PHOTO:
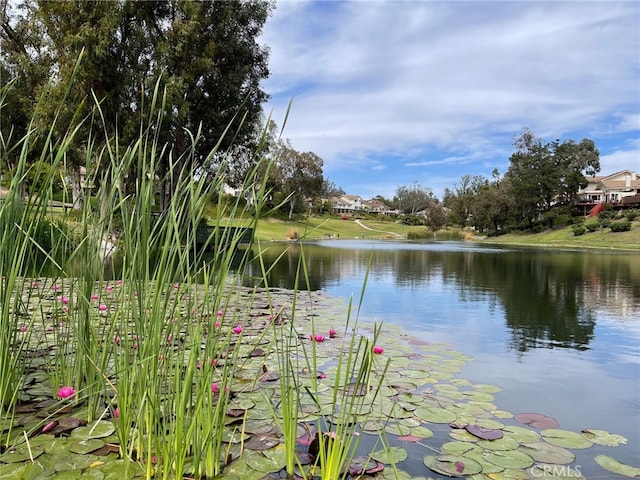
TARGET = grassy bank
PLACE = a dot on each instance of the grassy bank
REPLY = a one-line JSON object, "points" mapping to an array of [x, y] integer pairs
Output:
{"points": [[602, 238], [316, 228]]}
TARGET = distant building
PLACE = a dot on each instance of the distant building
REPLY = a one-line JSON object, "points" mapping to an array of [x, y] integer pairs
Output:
{"points": [[612, 189], [350, 204]]}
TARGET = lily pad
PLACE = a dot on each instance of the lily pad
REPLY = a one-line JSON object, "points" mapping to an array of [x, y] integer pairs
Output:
{"points": [[452, 465], [99, 429], [21, 454], [565, 438], [261, 442], [86, 446], [435, 415], [508, 458], [390, 456], [484, 433], [602, 437], [536, 420], [547, 453], [613, 465]]}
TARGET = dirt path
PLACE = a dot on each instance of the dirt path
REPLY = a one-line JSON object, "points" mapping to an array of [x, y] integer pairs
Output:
{"points": [[362, 225]]}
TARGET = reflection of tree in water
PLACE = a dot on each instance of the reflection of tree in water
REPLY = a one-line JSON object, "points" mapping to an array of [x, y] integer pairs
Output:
{"points": [[549, 298]]}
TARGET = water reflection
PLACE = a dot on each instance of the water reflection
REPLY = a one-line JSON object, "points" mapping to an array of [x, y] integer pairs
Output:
{"points": [[548, 299]]}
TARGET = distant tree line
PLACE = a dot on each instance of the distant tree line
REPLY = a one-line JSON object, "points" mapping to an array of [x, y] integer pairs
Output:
{"points": [[540, 186]]}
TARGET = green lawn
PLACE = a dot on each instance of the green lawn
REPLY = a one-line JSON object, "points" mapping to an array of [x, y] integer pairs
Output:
{"points": [[316, 228], [603, 238]]}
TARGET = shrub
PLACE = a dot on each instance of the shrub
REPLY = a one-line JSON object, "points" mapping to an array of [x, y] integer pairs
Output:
{"points": [[578, 230], [412, 220], [592, 226], [632, 214], [607, 214], [421, 235], [622, 226]]}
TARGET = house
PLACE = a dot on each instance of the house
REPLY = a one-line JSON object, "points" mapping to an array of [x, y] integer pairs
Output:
{"points": [[608, 189], [348, 204]]}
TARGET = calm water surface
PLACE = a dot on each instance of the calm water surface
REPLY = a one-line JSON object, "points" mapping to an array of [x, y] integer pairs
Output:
{"points": [[558, 331]]}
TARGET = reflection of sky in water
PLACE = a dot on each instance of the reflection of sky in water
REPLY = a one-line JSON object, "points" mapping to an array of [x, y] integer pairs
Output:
{"points": [[595, 388]]}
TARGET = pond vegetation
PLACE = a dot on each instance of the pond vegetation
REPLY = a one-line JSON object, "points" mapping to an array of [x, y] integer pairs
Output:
{"points": [[175, 370]]}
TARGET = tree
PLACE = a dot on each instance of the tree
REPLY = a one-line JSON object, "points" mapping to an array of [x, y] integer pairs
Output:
{"points": [[460, 200], [298, 175], [435, 216], [547, 176], [414, 198], [202, 56], [330, 189]]}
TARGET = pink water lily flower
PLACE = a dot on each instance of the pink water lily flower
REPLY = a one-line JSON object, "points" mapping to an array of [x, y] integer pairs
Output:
{"points": [[102, 307], [66, 392], [378, 349], [332, 333], [319, 338], [215, 389], [94, 296], [237, 330]]}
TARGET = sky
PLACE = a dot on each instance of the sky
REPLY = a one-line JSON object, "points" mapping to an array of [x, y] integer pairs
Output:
{"points": [[390, 93]]}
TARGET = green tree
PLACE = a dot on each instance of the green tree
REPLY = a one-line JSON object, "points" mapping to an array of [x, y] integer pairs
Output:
{"points": [[435, 216], [297, 176], [413, 198], [547, 176], [203, 56]]}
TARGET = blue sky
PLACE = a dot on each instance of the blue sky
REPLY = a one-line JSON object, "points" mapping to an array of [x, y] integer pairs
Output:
{"points": [[390, 93]]}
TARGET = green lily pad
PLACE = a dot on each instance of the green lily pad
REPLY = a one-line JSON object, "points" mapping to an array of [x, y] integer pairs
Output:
{"points": [[510, 474], [86, 446], [487, 467], [422, 432], [521, 434], [459, 448], [265, 464], [21, 454], [91, 474], [397, 429], [121, 470], [98, 429], [613, 465], [508, 458], [504, 443], [70, 461], [28, 471], [602, 437], [390, 456], [565, 438], [435, 415], [547, 453], [452, 465]]}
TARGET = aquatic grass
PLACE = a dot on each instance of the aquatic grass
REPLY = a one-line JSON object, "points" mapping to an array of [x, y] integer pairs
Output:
{"points": [[354, 389]]}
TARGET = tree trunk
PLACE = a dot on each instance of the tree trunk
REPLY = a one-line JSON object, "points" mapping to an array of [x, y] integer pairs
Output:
{"points": [[77, 193], [292, 204]]}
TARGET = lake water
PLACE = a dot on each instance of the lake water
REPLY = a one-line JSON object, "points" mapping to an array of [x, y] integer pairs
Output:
{"points": [[557, 331]]}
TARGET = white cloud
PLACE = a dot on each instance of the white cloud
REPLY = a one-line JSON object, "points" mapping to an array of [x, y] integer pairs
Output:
{"points": [[620, 160], [405, 78]]}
